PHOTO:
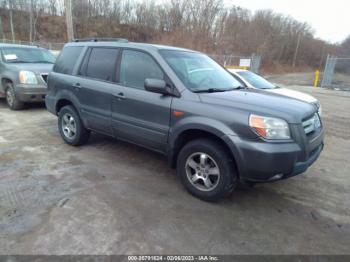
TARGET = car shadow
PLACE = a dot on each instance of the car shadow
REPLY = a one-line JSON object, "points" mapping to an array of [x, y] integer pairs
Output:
{"points": [[28, 106]]}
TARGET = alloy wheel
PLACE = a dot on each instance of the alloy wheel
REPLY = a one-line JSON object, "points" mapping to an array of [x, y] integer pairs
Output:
{"points": [[202, 171]]}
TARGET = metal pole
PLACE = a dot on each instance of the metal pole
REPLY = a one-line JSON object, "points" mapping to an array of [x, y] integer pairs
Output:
{"points": [[325, 72]]}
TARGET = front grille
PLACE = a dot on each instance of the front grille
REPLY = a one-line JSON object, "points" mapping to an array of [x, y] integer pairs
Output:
{"points": [[311, 124], [44, 77]]}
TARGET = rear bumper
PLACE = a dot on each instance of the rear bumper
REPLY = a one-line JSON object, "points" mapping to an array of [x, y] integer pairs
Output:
{"points": [[30, 93], [259, 161]]}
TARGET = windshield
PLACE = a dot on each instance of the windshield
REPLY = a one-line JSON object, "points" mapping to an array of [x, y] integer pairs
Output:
{"points": [[27, 55], [198, 72], [256, 80]]}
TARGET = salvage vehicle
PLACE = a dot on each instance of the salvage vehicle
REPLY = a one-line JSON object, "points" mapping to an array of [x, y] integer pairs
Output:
{"points": [[184, 105], [252, 80], [23, 72]]}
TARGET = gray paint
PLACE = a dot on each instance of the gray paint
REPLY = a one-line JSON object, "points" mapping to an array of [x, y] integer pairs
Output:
{"points": [[146, 119]]}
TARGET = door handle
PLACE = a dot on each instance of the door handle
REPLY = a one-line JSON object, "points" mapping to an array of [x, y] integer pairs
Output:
{"points": [[120, 96], [77, 85]]}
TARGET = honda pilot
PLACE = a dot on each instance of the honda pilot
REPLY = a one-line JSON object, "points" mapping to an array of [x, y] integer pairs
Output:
{"points": [[184, 105]]}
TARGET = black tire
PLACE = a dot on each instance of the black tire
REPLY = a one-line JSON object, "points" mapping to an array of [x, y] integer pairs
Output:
{"points": [[12, 102], [227, 179], [81, 134]]}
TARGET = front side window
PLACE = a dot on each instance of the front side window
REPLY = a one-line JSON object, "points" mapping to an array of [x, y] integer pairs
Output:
{"points": [[135, 67], [27, 55], [198, 72], [256, 80], [102, 63], [67, 59]]}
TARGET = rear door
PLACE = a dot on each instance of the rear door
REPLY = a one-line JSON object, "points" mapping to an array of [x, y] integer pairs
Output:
{"points": [[140, 116], [94, 84]]}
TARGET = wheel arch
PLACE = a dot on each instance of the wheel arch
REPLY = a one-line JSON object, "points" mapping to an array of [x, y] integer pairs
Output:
{"points": [[64, 99], [4, 81], [186, 135]]}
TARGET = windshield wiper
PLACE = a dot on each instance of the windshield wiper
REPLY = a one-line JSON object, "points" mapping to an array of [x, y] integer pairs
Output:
{"points": [[210, 90], [214, 90], [16, 61], [44, 62]]}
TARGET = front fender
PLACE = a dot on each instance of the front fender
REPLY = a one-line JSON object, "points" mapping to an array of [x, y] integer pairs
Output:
{"points": [[209, 125], [198, 123]]}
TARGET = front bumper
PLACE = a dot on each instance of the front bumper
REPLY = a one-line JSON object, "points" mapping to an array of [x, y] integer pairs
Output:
{"points": [[30, 93], [259, 161]]}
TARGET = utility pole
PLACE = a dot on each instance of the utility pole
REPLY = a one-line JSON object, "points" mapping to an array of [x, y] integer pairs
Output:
{"points": [[69, 19], [296, 50], [11, 22], [1, 30], [31, 21]]}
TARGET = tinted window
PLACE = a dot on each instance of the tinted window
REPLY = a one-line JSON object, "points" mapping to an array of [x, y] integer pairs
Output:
{"points": [[256, 80], [136, 67], [102, 63], [67, 59]]}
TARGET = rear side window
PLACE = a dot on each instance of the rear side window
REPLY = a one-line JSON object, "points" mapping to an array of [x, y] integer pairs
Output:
{"points": [[67, 59], [135, 67], [102, 64]]}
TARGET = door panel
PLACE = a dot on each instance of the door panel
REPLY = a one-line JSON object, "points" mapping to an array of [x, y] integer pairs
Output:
{"points": [[95, 98], [94, 87], [141, 117]]}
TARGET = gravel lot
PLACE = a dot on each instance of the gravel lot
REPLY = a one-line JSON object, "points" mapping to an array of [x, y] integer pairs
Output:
{"points": [[109, 197]]}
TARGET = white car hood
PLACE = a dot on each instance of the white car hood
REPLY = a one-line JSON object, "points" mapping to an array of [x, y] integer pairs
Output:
{"points": [[293, 94]]}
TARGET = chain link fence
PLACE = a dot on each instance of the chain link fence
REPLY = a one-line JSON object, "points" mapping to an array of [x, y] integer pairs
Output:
{"points": [[337, 73], [48, 45], [248, 62]]}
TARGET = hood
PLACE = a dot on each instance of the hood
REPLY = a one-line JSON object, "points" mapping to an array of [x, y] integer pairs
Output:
{"points": [[37, 68], [293, 94], [262, 103]]}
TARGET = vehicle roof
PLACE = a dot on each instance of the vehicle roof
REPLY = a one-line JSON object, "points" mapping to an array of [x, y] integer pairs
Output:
{"points": [[236, 70], [19, 46], [144, 46]]}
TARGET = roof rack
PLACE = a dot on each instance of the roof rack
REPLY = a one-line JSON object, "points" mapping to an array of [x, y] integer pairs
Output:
{"points": [[94, 39]]}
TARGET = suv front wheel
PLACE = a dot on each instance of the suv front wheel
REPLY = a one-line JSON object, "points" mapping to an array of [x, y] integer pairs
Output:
{"points": [[71, 127], [206, 170]]}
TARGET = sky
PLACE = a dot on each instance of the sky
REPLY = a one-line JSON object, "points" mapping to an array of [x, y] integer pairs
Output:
{"points": [[329, 19]]}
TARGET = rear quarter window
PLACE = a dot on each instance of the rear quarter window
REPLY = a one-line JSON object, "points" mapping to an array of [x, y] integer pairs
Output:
{"points": [[67, 59]]}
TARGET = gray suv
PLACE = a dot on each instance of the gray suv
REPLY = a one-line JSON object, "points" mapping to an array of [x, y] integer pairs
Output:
{"points": [[23, 72], [185, 106]]}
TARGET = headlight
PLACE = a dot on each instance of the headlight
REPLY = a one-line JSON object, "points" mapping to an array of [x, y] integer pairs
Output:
{"points": [[27, 77], [269, 127]]}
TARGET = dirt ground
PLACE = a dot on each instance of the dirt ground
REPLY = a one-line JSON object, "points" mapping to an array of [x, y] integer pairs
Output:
{"points": [[109, 197], [340, 81]]}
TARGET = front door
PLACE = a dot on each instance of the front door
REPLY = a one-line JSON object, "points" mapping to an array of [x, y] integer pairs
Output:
{"points": [[140, 116]]}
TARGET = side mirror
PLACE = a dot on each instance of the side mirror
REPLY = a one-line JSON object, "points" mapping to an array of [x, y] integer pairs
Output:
{"points": [[157, 86]]}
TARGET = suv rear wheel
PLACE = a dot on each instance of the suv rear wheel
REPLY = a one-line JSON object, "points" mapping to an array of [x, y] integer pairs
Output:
{"points": [[71, 127], [206, 170], [11, 100]]}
